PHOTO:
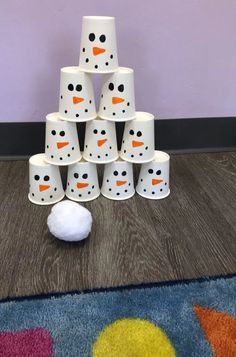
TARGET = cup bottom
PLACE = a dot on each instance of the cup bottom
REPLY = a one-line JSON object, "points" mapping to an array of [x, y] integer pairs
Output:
{"points": [[99, 161], [96, 71], [82, 200], [45, 203], [135, 161], [153, 198], [118, 199], [64, 163], [116, 119]]}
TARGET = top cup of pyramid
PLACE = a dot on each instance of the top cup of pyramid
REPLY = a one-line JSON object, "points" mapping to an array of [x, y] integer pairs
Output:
{"points": [[98, 52]]}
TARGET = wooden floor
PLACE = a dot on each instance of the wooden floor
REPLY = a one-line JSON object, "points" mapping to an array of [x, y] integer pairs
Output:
{"points": [[190, 234]]}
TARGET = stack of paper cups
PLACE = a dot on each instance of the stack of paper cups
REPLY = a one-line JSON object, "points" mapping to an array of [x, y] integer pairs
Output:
{"points": [[98, 54]]}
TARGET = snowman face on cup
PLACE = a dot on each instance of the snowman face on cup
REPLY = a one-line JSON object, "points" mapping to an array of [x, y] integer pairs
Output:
{"points": [[43, 189], [156, 181], [138, 140], [154, 177], [62, 144], [100, 141], [76, 95], [45, 181], [118, 181], [98, 44], [117, 99], [82, 182]]}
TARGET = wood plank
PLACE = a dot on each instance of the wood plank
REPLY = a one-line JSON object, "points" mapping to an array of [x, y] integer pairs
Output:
{"points": [[189, 234]]}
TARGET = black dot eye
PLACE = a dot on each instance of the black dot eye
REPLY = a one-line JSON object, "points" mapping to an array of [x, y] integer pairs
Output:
{"points": [[158, 172], [111, 86], [76, 175], [53, 132], [131, 132], [95, 131], [102, 38], [150, 171], [91, 37], [36, 177], [103, 132], [139, 133], [124, 173], [85, 176], [46, 178], [115, 173], [70, 87], [78, 88], [121, 88], [62, 133]]}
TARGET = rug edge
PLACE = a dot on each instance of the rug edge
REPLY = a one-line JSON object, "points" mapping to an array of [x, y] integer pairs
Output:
{"points": [[118, 288]]}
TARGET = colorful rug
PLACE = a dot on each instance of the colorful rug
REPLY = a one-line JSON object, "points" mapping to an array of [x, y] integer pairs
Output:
{"points": [[190, 318]]}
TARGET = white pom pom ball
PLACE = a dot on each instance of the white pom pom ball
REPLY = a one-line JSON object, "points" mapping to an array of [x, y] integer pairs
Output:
{"points": [[69, 221]]}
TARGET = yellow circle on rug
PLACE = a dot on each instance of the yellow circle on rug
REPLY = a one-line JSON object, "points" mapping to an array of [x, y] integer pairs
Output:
{"points": [[133, 338]]}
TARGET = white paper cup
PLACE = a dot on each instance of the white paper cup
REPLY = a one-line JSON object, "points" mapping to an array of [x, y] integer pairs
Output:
{"points": [[100, 144], [118, 181], [138, 144], [98, 51], [76, 102], [117, 101], [62, 143], [45, 186], [153, 182], [82, 182]]}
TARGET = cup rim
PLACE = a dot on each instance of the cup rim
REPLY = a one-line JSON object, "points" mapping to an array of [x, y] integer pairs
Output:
{"points": [[153, 198], [99, 119], [143, 116], [136, 161], [59, 163], [117, 120], [82, 161], [81, 199], [124, 70], [161, 156], [72, 70], [96, 162], [101, 18], [120, 159], [38, 160], [45, 203], [54, 117], [110, 71], [62, 118], [116, 198]]}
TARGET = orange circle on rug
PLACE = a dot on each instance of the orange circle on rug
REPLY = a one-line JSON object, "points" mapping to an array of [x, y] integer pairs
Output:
{"points": [[133, 337]]}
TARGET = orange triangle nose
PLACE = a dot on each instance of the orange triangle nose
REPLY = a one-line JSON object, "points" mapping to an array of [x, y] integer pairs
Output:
{"points": [[98, 50], [62, 144], [77, 100], [82, 184], [135, 143], [101, 142], [156, 181], [120, 183], [43, 187], [117, 100]]}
